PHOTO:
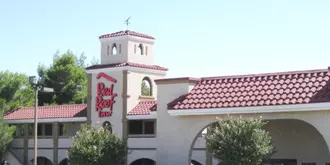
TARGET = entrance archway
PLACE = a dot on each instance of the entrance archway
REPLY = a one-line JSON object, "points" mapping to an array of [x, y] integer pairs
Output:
{"points": [[295, 140], [143, 161], [64, 162], [42, 161], [194, 162]]}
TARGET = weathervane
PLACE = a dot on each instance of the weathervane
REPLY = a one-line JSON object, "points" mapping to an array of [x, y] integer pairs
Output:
{"points": [[127, 22]]}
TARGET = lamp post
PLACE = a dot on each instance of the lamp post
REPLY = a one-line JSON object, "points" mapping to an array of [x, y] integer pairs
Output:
{"points": [[37, 85]]}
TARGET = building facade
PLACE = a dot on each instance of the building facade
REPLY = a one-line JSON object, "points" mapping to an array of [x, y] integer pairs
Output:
{"points": [[165, 124]]}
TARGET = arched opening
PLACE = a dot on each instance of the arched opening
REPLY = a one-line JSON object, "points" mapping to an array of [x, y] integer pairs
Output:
{"points": [[41, 161], [146, 87], [108, 50], [134, 48], [194, 162], [107, 125], [143, 161], [64, 162], [114, 49], [140, 50], [296, 142]]}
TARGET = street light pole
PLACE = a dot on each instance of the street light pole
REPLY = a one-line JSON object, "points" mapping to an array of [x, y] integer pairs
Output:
{"points": [[37, 85], [36, 126]]}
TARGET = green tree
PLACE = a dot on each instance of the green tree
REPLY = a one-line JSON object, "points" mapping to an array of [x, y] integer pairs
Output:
{"points": [[15, 91], [64, 75], [6, 132], [96, 145], [145, 88], [240, 141]]}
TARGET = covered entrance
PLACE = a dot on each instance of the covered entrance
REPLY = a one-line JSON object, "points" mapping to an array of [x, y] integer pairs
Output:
{"points": [[296, 142], [143, 161]]}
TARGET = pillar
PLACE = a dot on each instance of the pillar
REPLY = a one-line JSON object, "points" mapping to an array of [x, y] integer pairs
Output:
{"points": [[124, 111], [89, 99], [208, 151], [26, 144], [55, 143]]}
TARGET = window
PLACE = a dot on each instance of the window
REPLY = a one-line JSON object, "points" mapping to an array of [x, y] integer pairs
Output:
{"points": [[149, 127], [30, 128], [134, 49], [146, 50], [146, 87], [108, 50], [48, 129], [119, 48], [19, 130], [140, 49], [135, 127], [141, 127], [62, 130], [308, 163], [39, 129], [114, 49]]}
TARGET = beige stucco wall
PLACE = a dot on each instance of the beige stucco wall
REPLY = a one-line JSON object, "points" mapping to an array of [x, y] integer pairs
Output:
{"points": [[134, 91]]}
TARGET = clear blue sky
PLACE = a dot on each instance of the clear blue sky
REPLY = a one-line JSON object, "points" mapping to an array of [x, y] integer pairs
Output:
{"points": [[193, 38]]}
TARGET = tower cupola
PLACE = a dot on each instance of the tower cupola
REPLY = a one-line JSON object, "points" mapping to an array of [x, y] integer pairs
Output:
{"points": [[127, 47]]}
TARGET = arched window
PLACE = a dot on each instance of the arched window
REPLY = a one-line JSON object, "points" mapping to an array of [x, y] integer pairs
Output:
{"points": [[42, 161], [134, 49], [65, 161], [146, 87], [146, 51], [140, 49], [194, 162], [107, 125], [114, 49], [108, 50]]}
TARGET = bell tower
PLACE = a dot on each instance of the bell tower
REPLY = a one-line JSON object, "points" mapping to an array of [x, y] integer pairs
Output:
{"points": [[115, 85], [127, 47]]}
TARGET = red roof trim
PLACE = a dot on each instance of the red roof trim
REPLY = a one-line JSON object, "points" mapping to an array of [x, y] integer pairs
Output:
{"points": [[281, 88], [267, 74], [126, 33], [143, 108], [48, 112], [154, 67]]}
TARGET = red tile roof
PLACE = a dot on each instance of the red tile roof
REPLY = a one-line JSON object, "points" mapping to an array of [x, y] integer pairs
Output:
{"points": [[154, 67], [299, 87], [126, 33], [47, 112], [143, 108]]}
